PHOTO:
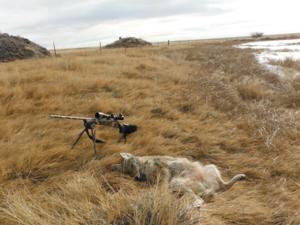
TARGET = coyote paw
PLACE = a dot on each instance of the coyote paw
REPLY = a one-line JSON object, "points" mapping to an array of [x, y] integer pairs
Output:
{"points": [[198, 203], [242, 177]]}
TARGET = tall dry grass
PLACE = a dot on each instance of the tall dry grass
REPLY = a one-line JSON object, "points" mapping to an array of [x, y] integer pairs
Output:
{"points": [[82, 198], [289, 63], [207, 102]]}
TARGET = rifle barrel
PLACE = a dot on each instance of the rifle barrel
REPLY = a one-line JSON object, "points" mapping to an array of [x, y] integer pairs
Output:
{"points": [[71, 117]]}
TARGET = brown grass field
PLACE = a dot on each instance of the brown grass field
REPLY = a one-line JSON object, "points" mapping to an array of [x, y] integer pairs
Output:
{"points": [[288, 63], [205, 101]]}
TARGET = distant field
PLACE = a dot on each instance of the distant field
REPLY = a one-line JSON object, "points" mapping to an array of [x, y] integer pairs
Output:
{"points": [[196, 41], [207, 101]]}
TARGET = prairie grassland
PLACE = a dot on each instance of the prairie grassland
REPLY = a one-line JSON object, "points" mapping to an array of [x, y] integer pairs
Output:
{"points": [[208, 102], [288, 63]]}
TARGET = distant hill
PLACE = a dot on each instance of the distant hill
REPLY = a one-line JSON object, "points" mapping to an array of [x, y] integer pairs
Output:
{"points": [[128, 42], [12, 48]]}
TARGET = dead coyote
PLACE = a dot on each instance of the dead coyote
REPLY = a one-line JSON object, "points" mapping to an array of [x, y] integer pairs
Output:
{"points": [[184, 176]]}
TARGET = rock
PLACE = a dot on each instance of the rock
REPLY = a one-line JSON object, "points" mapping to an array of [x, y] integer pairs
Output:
{"points": [[129, 42], [12, 48]]}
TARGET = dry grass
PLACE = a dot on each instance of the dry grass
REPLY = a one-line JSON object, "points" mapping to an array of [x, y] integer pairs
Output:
{"points": [[209, 102], [252, 90], [291, 96], [82, 198], [288, 63]]}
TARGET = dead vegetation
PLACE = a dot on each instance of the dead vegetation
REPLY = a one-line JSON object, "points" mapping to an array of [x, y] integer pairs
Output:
{"points": [[288, 63], [208, 102], [83, 198]]}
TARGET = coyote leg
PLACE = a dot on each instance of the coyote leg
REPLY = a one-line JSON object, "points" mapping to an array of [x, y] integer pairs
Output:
{"points": [[213, 172], [179, 186], [227, 185]]}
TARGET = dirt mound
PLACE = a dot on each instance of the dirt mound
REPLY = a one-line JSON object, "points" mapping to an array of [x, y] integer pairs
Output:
{"points": [[12, 48], [128, 42]]}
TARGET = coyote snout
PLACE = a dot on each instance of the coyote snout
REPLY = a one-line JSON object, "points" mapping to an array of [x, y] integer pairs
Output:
{"points": [[182, 174], [130, 166]]}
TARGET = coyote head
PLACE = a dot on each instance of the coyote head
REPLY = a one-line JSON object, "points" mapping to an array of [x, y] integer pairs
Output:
{"points": [[130, 165]]}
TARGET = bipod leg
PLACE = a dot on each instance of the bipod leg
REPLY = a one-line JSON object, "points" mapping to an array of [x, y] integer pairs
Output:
{"points": [[91, 136], [123, 137], [79, 136], [94, 141]]}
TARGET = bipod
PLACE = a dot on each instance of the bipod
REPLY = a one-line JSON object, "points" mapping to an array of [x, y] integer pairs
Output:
{"points": [[89, 126]]}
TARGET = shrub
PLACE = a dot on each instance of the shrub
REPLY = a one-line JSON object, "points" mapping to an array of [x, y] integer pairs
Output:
{"points": [[257, 34], [251, 91]]}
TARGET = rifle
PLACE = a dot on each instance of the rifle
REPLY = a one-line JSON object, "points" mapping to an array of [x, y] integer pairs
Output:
{"points": [[100, 118]]}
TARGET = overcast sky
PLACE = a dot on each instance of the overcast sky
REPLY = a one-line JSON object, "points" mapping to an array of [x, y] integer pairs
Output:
{"points": [[82, 23]]}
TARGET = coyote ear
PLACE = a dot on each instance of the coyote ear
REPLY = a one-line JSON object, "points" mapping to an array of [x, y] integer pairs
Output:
{"points": [[126, 155]]}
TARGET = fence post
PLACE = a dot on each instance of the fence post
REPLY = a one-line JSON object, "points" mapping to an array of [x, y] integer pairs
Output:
{"points": [[54, 48], [100, 47]]}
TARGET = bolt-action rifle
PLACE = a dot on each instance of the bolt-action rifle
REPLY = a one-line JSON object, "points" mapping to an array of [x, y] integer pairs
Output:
{"points": [[100, 118]]}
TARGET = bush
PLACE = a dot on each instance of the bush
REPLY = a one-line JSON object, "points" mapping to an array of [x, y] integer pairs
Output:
{"points": [[257, 34], [251, 91]]}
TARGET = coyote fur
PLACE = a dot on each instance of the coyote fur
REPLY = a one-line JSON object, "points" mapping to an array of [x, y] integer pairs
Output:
{"points": [[184, 176]]}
